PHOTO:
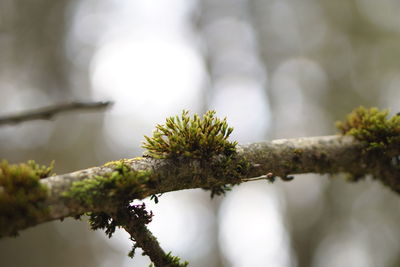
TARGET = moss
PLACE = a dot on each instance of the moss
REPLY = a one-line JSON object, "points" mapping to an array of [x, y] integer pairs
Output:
{"points": [[191, 137], [112, 164], [381, 135], [175, 260], [372, 126], [120, 185], [204, 139], [21, 194]]}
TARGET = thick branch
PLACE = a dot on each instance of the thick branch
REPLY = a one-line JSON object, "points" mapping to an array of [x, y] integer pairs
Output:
{"points": [[329, 154], [47, 113]]}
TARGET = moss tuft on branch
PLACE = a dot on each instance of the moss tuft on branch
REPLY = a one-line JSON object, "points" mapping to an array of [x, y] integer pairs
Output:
{"points": [[119, 186], [21, 194], [204, 139], [372, 126], [381, 134], [191, 137]]}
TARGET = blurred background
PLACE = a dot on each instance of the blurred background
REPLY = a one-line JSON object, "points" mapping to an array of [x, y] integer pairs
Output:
{"points": [[275, 68]]}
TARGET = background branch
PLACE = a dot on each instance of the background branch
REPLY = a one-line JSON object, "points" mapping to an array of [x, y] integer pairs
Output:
{"points": [[47, 113]]}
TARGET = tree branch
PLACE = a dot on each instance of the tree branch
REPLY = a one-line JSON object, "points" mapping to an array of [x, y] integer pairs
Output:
{"points": [[98, 189], [92, 190], [106, 192], [47, 113], [192, 153]]}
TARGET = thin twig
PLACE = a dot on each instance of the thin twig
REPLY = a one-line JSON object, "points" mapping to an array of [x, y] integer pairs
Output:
{"points": [[135, 223], [47, 113]]}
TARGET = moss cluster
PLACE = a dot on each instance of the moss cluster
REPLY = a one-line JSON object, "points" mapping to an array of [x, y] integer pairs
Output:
{"points": [[204, 139], [175, 261], [121, 185], [21, 194], [381, 135], [191, 137], [372, 126]]}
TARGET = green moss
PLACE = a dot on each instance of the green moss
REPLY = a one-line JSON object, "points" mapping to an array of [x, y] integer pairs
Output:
{"points": [[21, 194], [175, 260], [112, 164], [204, 139], [190, 137], [372, 126], [381, 135], [120, 185]]}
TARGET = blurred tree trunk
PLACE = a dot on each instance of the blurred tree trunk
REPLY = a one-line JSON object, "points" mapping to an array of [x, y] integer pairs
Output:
{"points": [[32, 41], [34, 62]]}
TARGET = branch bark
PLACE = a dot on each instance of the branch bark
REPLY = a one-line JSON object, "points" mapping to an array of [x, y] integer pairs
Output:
{"points": [[47, 113], [326, 154]]}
